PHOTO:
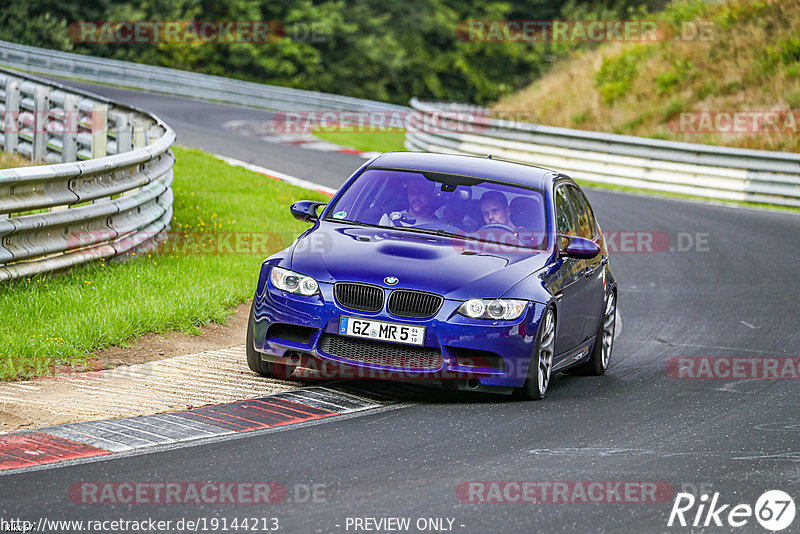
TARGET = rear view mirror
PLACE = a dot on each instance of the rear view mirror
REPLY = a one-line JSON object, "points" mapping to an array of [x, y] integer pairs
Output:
{"points": [[580, 247], [305, 210]]}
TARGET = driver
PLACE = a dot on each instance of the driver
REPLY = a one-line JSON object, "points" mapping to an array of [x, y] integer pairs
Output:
{"points": [[421, 194], [494, 208]]}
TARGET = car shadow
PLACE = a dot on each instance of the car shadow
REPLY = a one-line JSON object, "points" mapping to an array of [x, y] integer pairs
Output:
{"points": [[430, 393]]}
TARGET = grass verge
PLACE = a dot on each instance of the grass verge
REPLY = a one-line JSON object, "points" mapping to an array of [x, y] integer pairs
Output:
{"points": [[375, 140], [9, 161], [221, 215]]}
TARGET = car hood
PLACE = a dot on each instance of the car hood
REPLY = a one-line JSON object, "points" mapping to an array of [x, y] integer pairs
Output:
{"points": [[455, 268]]}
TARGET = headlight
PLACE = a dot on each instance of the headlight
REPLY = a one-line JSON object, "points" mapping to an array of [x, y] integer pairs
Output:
{"points": [[499, 309], [293, 282]]}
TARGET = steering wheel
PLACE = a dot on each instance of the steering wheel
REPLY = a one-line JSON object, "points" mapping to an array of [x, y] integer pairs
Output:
{"points": [[496, 226]]}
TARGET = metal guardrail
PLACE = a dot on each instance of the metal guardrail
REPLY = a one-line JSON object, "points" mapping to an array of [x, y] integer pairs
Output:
{"points": [[701, 170], [178, 82], [106, 190]]}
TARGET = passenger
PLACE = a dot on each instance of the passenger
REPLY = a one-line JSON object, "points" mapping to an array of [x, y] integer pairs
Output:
{"points": [[421, 194], [529, 216]]}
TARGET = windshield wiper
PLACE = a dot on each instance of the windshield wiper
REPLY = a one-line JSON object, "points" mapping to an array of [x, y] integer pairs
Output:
{"points": [[442, 233], [430, 231], [354, 223], [445, 233]]}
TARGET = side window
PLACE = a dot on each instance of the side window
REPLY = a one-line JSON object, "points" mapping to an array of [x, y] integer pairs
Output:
{"points": [[565, 220], [592, 220], [583, 215]]}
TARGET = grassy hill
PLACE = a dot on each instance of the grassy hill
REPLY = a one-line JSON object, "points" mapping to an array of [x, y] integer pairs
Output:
{"points": [[750, 63]]}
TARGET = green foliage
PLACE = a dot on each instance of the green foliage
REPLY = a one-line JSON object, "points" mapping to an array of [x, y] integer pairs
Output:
{"points": [[731, 87], [369, 141], [581, 117], [22, 22], [731, 15], [708, 88], [681, 11], [793, 99], [782, 53], [676, 105], [678, 72], [631, 124], [388, 51], [615, 76], [785, 51]]}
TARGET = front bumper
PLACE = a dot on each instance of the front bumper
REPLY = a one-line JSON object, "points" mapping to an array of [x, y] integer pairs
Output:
{"points": [[472, 353]]}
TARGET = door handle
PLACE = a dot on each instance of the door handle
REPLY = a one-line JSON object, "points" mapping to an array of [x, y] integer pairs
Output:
{"points": [[604, 260], [588, 272]]}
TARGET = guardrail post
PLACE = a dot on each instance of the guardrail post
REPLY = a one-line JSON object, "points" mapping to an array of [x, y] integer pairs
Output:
{"points": [[140, 127], [122, 128], [41, 111], [12, 116], [69, 150], [99, 130]]}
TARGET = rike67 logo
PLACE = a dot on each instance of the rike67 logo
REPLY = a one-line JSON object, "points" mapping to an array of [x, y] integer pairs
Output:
{"points": [[774, 510]]}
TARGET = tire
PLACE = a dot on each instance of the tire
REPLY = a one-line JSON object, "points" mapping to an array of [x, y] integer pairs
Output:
{"points": [[603, 343], [254, 361], [540, 369]]}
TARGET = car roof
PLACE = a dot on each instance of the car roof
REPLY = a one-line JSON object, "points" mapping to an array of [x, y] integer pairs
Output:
{"points": [[480, 167]]}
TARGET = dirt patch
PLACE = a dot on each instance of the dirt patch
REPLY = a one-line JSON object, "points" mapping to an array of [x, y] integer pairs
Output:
{"points": [[12, 417], [15, 417], [150, 347], [157, 346]]}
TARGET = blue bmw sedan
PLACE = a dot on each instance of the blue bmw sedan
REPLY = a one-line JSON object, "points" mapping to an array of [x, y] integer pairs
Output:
{"points": [[476, 273]]}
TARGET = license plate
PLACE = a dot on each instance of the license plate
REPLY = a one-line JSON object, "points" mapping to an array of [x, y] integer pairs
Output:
{"points": [[382, 331]]}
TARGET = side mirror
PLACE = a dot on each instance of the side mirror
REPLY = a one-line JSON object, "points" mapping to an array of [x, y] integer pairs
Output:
{"points": [[580, 247], [305, 210]]}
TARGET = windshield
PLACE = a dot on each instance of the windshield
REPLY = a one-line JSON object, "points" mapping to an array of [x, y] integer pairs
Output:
{"points": [[445, 204]]}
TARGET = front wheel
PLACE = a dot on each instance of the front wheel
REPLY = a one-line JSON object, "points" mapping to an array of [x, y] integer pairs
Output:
{"points": [[254, 361], [541, 366]]}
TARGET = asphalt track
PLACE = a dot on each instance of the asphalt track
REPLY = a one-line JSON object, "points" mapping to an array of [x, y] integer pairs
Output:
{"points": [[737, 296]]}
